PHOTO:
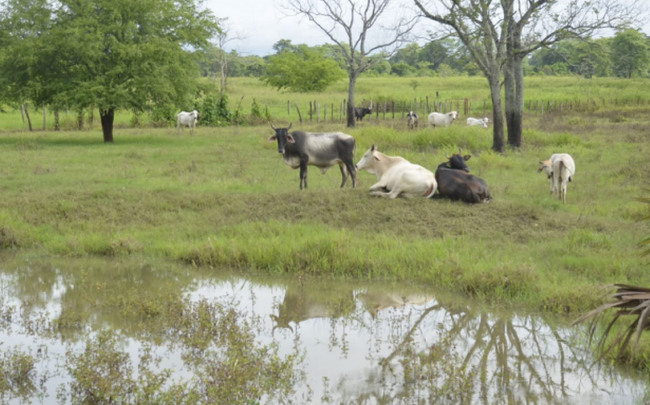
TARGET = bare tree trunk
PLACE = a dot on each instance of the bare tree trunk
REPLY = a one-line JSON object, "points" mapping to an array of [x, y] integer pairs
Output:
{"points": [[57, 122], [497, 111], [44, 118], [29, 120], [514, 88], [107, 118], [22, 112], [353, 82]]}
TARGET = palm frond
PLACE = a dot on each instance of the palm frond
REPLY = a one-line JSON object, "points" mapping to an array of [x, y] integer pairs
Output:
{"points": [[630, 301]]}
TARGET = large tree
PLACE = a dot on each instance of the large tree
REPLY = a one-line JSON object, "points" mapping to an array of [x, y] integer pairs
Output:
{"points": [[302, 68], [630, 53], [473, 22], [500, 34], [112, 54], [353, 25]]}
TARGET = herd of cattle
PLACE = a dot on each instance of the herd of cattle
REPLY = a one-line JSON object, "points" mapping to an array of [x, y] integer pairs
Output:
{"points": [[396, 176]]}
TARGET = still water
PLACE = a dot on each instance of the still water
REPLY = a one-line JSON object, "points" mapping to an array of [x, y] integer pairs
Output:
{"points": [[333, 342]]}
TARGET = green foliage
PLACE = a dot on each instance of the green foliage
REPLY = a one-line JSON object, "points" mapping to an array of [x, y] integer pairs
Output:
{"points": [[302, 69], [164, 114], [258, 114], [401, 69], [630, 53], [215, 110]]}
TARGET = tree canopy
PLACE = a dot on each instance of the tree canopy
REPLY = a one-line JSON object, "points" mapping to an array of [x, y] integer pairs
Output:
{"points": [[301, 68], [107, 54]]}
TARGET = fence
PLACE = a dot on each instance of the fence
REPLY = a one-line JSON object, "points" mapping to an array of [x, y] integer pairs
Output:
{"points": [[317, 111]]}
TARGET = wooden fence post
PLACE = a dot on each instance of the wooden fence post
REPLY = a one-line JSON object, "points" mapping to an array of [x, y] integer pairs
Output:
{"points": [[384, 115], [44, 118], [428, 109], [332, 113], [288, 107], [298, 109], [325, 112], [310, 112], [393, 109], [317, 111], [22, 112]]}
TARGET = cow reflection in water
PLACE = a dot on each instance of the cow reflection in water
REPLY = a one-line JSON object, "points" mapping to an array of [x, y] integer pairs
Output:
{"points": [[299, 305], [375, 301]]}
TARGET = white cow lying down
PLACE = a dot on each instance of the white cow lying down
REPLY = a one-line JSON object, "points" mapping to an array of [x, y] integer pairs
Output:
{"points": [[560, 168], [478, 121], [186, 119], [397, 176]]}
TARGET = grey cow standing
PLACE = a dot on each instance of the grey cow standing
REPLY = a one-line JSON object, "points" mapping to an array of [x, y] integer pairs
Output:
{"points": [[323, 150]]}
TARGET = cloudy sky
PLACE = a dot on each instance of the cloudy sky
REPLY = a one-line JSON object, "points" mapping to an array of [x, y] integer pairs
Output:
{"points": [[262, 23]]}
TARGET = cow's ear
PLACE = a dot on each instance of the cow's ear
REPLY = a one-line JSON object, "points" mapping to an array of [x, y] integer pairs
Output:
{"points": [[272, 139], [467, 157], [290, 139]]}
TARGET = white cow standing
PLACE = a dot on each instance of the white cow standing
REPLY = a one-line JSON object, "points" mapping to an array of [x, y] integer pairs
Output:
{"points": [[442, 120], [397, 176], [186, 119], [560, 168]]}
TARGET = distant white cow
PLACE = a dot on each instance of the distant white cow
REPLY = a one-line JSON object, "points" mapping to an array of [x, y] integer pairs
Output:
{"points": [[397, 176], [560, 168], [442, 120], [412, 119], [186, 119], [478, 121]]}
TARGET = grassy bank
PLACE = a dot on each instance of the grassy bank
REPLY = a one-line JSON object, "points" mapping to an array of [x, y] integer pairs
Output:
{"points": [[224, 197]]}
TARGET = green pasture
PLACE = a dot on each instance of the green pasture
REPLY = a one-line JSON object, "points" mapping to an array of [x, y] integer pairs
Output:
{"points": [[582, 94], [225, 198]]}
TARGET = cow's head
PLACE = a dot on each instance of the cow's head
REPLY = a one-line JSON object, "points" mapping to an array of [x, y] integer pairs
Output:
{"points": [[283, 136], [547, 167], [366, 162], [457, 161]]}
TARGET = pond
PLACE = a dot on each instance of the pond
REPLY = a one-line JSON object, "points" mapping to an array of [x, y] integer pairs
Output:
{"points": [[140, 331]]}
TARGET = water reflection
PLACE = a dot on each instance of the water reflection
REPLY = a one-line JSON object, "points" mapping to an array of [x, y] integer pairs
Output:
{"points": [[362, 343]]}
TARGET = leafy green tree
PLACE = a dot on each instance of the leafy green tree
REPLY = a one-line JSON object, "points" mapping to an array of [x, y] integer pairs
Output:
{"points": [[301, 69], [113, 54], [401, 69], [630, 53], [25, 27]]}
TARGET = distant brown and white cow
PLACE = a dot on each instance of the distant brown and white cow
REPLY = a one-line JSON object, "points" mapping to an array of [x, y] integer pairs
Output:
{"points": [[323, 150], [186, 119], [412, 119], [397, 176]]}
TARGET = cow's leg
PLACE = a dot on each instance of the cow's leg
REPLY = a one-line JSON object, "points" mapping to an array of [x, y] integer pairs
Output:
{"points": [[303, 174], [344, 174], [352, 171]]}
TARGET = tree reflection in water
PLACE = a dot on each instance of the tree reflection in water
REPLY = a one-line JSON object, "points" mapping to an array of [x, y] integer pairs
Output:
{"points": [[385, 345]]}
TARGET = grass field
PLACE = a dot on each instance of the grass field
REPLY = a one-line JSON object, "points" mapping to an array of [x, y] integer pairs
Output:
{"points": [[224, 198], [605, 92]]}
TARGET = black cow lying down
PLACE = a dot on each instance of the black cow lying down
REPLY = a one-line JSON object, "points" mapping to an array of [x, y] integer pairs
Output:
{"points": [[455, 182]]}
